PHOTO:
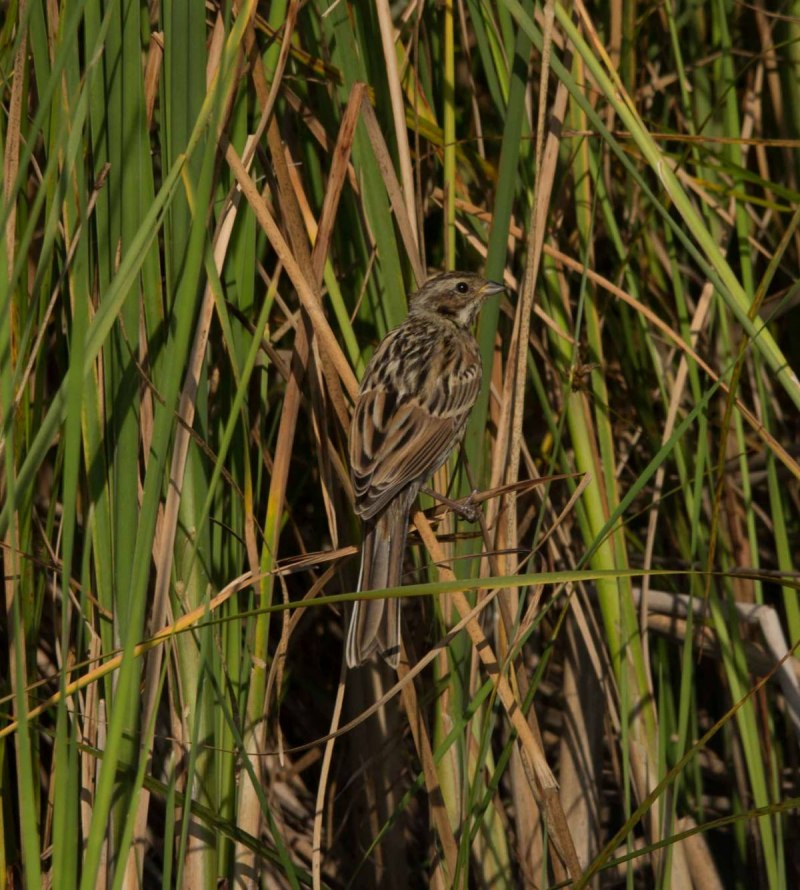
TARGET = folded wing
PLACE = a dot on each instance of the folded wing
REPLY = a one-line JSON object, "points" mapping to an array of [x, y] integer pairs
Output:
{"points": [[398, 438]]}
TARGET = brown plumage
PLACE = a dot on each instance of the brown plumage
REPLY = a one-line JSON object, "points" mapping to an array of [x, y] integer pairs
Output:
{"points": [[411, 411]]}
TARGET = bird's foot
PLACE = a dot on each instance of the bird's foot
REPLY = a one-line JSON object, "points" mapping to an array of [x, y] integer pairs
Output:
{"points": [[467, 508]]}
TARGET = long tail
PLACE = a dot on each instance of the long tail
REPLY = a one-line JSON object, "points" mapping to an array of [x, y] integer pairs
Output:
{"points": [[375, 623]]}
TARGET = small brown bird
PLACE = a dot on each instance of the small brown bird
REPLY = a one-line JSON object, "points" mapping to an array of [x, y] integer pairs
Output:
{"points": [[411, 411]]}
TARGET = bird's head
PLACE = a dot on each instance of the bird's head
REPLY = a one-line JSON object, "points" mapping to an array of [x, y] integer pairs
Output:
{"points": [[457, 296]]}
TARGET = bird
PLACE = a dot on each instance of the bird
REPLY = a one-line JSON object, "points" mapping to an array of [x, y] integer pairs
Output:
{"points": [[410, 413]]}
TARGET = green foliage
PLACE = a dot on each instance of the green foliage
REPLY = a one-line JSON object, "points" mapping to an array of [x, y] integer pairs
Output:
{"points": [[205, 233]]}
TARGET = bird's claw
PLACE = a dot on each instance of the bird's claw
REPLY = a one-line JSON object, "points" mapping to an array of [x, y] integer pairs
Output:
{"points": [[468, 508]]}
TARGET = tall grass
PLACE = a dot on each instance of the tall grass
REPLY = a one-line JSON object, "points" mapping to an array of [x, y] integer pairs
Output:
{"points": [[211, 213]]}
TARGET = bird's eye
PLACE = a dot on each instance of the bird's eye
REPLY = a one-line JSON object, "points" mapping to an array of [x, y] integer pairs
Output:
{"points": [[462, 287]]}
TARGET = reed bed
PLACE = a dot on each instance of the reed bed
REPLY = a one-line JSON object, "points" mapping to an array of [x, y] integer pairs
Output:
{"points": [[211, 213]]}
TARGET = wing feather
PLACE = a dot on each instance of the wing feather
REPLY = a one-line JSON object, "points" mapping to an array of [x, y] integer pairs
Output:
{"points": [[398, 437]]}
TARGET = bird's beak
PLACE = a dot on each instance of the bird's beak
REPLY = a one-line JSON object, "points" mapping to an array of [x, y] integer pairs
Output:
{"points": [[491, 288]]}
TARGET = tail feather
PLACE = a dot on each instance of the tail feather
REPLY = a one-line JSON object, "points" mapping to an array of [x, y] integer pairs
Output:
{"points": [[375, 623]]}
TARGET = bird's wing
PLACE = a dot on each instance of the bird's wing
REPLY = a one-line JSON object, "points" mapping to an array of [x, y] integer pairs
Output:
{"points": [[398, 437]]}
